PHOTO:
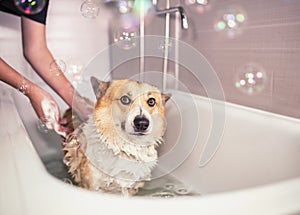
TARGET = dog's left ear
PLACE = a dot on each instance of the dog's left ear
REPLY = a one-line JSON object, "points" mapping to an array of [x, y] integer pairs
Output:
{"points": [[99, 87], [165, 97]]}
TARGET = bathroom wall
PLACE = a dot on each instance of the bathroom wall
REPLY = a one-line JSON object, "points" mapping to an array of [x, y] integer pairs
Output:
{"points": [[72, 39], [265, 40], [269, 38], [239, 37]]}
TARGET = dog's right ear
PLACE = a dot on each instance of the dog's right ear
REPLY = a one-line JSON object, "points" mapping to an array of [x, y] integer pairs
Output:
{"points": [[99, 87]]}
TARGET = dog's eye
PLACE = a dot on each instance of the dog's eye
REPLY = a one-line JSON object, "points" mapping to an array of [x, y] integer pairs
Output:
{"points": [[151, 102], [125, 100]]}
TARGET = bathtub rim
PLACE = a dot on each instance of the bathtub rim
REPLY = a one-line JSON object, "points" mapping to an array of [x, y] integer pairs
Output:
{"points": [[250, 200], [260, 199]]}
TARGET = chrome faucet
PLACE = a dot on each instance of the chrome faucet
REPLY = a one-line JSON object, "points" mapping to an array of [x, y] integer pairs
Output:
{"points": [[179, 9]]}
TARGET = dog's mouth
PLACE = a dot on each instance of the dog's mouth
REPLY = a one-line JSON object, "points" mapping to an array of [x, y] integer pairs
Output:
{"points": [[138, 134]]}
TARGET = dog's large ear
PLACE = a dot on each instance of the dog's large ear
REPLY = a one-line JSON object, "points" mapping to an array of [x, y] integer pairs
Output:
{"points": [[99, 87], [165, 97]]}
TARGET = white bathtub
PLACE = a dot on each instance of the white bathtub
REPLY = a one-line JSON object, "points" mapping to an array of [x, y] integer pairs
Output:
{"points": [[255, 171]]}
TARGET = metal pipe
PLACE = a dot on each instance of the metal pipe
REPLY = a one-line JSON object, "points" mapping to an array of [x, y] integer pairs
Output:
{"points": [[142, 42], [166, 46], [179, 9]]}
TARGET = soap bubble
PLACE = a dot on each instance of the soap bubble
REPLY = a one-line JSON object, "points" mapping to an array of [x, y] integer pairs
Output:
{"points": [[169, 186], [126, 32], [41, 126], [89, 9], [125, 6], [30, 6], [202, 2], [74, 72], [143, 6], [164, 194], [72, 140], [57, 67], [199, 6], [251, 79], [67, 180], [145, 9], [231, 22], [125, 38], [182, 190], [190, 2], [165, 45], [74, 67]]}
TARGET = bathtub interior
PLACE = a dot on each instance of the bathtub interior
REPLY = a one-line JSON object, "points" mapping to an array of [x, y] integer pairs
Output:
{"points": [[255, 148]]}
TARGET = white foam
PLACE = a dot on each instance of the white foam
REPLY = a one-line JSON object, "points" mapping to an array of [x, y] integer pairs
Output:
{"points": [[51, 114]]}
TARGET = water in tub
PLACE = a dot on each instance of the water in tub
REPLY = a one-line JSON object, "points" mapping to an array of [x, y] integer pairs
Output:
{"points": [[164, 187]]}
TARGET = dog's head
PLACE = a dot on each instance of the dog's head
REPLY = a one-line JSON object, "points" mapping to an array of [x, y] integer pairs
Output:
{"points": [[131, 110]]}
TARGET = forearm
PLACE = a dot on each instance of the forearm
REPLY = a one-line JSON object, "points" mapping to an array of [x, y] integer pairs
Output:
{"points": [[38, 55], [42, 102], [57, 80], [11, 77], [40, 60]]}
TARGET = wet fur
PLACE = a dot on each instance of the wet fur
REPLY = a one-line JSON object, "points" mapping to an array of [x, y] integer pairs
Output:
{"points": [[100, 154]]}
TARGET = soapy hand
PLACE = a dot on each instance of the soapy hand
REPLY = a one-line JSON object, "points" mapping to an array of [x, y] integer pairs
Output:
{"points": [[52, 116], [47, 109]]}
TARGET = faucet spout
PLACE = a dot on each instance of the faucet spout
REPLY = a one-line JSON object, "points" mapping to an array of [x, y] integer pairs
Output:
{"points": [[179, 9], [183, 17]]}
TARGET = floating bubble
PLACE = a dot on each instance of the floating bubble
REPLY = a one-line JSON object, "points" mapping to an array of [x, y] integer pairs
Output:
{"points": [[144, 8], [125, 38], [221, 25], [190, 2], [164, 194], [30, 6], [24, 86], [67, 180], [75, 68], [72, 140], [74, 72], [231, 21], [200, 6], [169, 186], [251, 79], [165, 45], [240, 17], [125, 6], [90, 9], [182, 191], [202, 2], [57, 67], [144, 5], [41, 126], [126, 32]]}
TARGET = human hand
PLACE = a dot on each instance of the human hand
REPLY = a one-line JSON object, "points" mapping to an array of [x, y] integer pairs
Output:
{"points": [[46, 109]]}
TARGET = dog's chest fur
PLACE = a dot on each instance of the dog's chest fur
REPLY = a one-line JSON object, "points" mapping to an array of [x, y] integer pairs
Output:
{"points": [[103, 166]]}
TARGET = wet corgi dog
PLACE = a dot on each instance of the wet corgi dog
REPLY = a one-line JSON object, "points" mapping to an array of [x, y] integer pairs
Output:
{"points": [[115, 149]]}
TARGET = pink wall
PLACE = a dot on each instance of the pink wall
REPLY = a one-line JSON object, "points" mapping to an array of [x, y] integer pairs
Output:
{"points": [[268, 37]]}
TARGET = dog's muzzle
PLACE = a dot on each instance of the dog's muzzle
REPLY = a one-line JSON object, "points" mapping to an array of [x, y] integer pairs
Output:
{"points": [[141, 124]]}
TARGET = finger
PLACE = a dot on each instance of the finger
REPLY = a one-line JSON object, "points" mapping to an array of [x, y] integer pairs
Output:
{"points": [[63, 121], [59, 129], [66, 130]]}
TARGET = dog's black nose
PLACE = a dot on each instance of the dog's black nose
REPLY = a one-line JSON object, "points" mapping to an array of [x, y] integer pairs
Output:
{"points": [[140, 124]]}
